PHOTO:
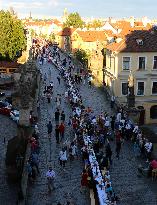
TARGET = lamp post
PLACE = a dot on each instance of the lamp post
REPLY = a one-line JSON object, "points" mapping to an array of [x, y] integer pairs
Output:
{"points": [[131, 96], [103, 70]]}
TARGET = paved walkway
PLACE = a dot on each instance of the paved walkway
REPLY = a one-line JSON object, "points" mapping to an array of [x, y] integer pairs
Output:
{"points": [[67, 181], [131, 189], [8, 192]]}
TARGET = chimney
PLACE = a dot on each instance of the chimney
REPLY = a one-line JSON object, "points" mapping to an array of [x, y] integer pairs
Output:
{"points": [[132, 21]]}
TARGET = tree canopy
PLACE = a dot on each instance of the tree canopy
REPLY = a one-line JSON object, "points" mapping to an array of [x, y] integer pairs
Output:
{"points": [[74, 20], [94, 24], [82, 56], [12, 35]]}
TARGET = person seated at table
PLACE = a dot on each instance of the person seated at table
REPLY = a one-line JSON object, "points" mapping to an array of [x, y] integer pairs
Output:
{"points": [[84, 180], [108, 188], [104, 163], [107, 176]]}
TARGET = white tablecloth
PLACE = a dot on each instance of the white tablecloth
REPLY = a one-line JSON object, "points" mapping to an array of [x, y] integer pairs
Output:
{"points": [[98, 177]]}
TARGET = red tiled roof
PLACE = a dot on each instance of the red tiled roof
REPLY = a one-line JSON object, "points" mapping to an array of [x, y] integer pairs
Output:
{"points": [[5, 64], [92, 36], [109, 33], [129, 44], [66, 32]]}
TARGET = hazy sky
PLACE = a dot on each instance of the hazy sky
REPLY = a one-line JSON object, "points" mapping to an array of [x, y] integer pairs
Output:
{"points": [[86, 8]]}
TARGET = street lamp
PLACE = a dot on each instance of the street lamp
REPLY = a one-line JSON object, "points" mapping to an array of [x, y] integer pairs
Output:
{"points": [[131, 95], [103, 70]]}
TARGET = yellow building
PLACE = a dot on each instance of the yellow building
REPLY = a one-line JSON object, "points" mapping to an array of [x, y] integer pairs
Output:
{"points": [[136, 53], [79, 39]]}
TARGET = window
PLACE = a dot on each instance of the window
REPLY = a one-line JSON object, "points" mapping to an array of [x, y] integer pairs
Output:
{"points": [[140, 88], [142, 63], [126, 63], [155, 62], [124, 88], [153, 112], [154, 88]]}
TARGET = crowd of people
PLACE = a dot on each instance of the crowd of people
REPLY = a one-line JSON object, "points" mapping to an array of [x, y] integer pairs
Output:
{"points": [[92, 134]]}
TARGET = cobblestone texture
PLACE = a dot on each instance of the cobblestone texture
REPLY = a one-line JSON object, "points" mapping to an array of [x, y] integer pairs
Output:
{"points": [[131, 189], [67, 181], [8, 192]]}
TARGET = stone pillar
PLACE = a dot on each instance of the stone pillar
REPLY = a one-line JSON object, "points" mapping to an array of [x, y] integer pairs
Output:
{"points": [[24, 117]]}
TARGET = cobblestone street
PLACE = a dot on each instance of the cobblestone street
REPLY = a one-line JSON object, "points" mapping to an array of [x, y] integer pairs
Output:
{"points": [[130, 188], [67, 181], [8, 192]]}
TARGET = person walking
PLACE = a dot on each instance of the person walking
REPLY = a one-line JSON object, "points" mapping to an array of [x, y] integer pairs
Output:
{"points": [[63, 157], [61, 131], [62, 116], [118, 148], [109, 153], [112, 101], [49, 129], [57, 114], [50, 175], [57, 134]]}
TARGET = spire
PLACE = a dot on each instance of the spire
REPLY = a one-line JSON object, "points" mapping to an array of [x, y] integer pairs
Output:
{"points": [[30, 15]]}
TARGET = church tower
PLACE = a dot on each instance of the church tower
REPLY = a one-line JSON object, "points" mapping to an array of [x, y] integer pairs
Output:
{"points": [[65, 15]]}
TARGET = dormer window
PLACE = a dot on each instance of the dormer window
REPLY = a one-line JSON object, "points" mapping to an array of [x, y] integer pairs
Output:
{"points": [[139, 42]]}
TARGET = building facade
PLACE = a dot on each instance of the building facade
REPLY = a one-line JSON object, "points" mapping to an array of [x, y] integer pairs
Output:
{"points": [[138, 54]]}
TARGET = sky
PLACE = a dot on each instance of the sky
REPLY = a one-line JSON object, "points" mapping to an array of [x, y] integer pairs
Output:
{"points": [[86, 8]]}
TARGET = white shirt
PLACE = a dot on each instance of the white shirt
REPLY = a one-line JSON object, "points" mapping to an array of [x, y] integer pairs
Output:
{"points": [[63, 155], [135, 129], [128, 126], [119, 116], [107, 123], [74, 149], [148, 146], [50, 174]]}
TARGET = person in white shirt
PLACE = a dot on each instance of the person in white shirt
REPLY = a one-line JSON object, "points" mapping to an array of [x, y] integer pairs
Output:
{"points": [[63, 157], [119, 117], [148, 147], [112, 101], [50, 175]]}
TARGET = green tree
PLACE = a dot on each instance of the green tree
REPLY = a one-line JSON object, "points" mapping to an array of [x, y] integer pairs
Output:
{"points": [[82, 56], [52, 37], [74, 20], [33, 33], [94, 24], [12, 36]]}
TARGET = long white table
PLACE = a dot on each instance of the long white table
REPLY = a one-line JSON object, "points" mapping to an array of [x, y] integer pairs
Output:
{"points": [[96, 172]]}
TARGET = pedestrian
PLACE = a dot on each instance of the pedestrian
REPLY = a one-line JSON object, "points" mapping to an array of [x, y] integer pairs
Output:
{"points": [[57, 134], [61, 131], [112, 101], [57, 114], [112, 122], [35, 161], [63, 157], [118, 148], [50, 175], [49, 129], [59, 80], [62, 116], [109, 153], [58, 101], [84, 180]]}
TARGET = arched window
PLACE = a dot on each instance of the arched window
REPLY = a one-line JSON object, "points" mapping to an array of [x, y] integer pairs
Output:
{"points": [[153, 112]]}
